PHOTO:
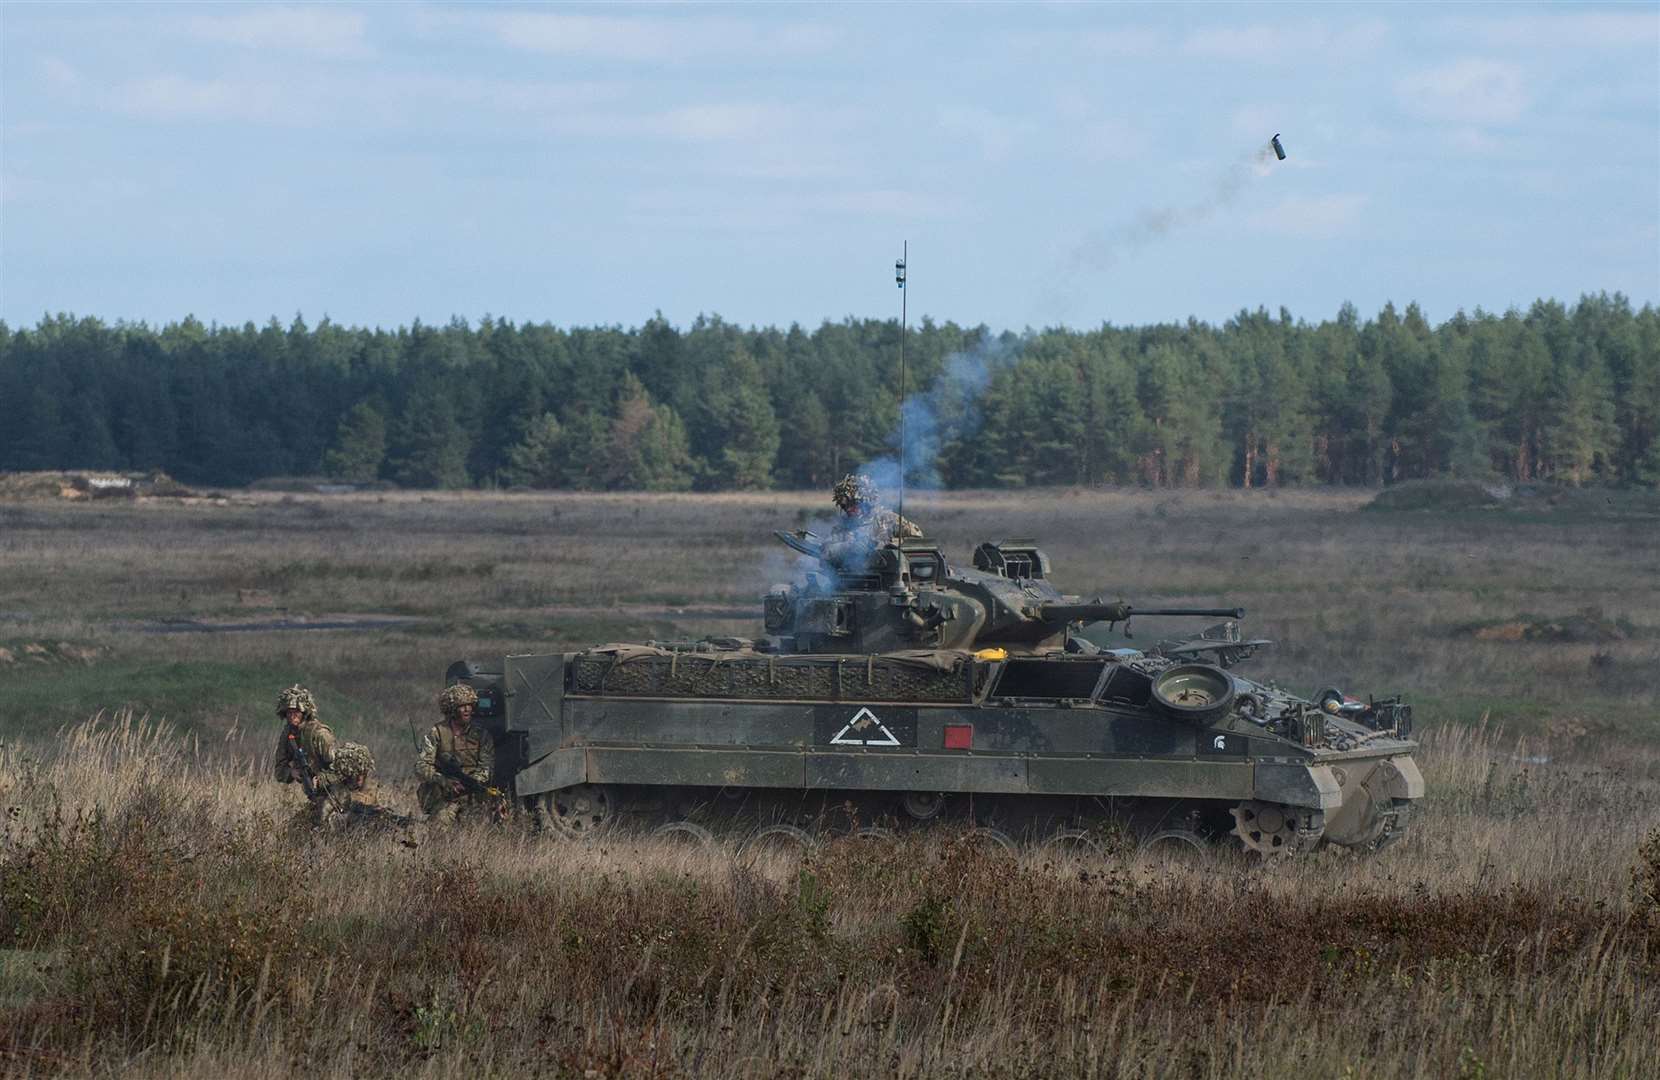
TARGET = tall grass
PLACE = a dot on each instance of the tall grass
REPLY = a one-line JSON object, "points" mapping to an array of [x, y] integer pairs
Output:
{"points": [[170, 922]]}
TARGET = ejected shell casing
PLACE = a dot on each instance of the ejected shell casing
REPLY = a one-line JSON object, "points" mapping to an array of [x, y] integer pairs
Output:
{"points": [[1279, 151]]}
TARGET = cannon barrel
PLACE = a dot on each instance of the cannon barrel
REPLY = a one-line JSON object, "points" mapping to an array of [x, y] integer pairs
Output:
{"points": [[1119, 611]]}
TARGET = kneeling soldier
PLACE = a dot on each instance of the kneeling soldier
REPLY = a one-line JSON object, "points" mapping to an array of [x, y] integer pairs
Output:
{"points": [[305, 751], [457, 757]]}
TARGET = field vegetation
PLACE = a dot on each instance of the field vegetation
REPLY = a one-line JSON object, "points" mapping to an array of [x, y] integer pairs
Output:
{"points": [[160, 916]]}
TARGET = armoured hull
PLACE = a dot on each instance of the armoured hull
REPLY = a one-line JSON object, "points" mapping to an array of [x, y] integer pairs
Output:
{"points": [[1026, 747]]}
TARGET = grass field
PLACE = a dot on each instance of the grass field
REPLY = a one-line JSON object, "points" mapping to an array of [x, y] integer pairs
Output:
{"points": [[157, 917]]}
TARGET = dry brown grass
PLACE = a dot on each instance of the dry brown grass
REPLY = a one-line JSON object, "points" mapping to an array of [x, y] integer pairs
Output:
{"points": [[161, 919], [168, 923]]}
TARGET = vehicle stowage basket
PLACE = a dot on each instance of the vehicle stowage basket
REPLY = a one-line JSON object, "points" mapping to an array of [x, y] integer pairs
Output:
{"points": [[946, 678]]}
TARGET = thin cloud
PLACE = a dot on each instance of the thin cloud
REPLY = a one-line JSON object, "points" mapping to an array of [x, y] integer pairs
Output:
{"points": [[1112, 138], [889, 203], [644, 38], [178, 97], [723, 122], [320, 31], [1473, 90], [1279, 43], [728, 211], [60, 74], [993, 135], [1319, 217], [1610, 30], [1120, 43]]}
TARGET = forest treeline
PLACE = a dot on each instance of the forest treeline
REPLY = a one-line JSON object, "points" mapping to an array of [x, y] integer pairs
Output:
{"points": [[1556, 393]]}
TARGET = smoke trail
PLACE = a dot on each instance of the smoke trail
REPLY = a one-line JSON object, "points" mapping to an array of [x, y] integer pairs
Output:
{"points": [[1101, 250]]}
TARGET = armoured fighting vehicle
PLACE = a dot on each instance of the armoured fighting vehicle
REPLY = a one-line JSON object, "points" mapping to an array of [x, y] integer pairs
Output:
{"points": [[912, 691]]}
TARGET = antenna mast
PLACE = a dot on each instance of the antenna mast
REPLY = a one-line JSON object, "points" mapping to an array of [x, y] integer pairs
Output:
{"points": [[899, 278]]}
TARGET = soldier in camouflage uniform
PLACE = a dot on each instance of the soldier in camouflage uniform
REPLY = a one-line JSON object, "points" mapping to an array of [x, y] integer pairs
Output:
{"points": [[341, 773], [457, 738], [865, 525], [357, 795], [304, 735]]}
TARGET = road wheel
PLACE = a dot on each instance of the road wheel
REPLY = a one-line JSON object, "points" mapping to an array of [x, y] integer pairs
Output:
{"points": [[686, 834], [779, 839], [1180, 846], [1069, 844], [992, 841], [578, 812]]}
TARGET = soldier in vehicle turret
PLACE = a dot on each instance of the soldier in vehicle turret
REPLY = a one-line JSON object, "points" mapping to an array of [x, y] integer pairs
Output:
{"points": [[865, 524]]}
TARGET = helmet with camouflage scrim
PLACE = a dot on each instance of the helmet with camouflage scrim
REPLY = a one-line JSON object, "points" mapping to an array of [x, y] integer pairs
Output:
{"points": [[297, 697], [451, 698], [853, 491], [354, 763]]}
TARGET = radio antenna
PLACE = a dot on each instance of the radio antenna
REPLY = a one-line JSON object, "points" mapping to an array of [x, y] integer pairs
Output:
{"points": [[899, 279]]}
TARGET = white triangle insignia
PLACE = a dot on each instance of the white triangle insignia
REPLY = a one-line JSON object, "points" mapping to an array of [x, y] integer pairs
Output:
{"points": [[863, 721]]}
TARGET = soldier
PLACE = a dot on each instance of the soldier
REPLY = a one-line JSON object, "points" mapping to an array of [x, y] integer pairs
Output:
{"points": [[457, 744], [357, 794], [341, 774], [306, 751], [865, 524]]}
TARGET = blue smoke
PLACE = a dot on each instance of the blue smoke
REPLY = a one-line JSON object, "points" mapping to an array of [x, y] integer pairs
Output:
{"points": [[947, 412]]}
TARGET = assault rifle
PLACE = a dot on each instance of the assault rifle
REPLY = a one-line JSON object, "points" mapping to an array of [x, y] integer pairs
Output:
{"points": [[448, 766], [313, 791]]}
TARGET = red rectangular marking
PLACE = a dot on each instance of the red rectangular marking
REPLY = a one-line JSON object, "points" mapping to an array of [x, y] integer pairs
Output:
{"points": [[959, 736]]}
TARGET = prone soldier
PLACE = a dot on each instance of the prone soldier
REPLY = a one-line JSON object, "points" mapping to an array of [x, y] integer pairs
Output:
{"points": [[456, 761]]}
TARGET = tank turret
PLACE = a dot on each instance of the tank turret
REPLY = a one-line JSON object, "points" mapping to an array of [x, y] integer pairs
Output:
{"points": [[906, 596]]}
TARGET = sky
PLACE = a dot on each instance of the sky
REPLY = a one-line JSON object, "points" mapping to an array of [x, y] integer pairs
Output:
{"points": [[1048, 164]]}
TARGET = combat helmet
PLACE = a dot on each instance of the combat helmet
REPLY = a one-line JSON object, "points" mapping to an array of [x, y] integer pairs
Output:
{"points": [[451, 698], [297, 697], [353, 763], [855, 490]]}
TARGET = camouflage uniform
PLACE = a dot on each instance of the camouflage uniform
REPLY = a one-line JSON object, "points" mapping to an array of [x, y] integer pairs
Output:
{"points": [[357, 794], [341, 772], [314, 738], [865, 525], [471, 747]]}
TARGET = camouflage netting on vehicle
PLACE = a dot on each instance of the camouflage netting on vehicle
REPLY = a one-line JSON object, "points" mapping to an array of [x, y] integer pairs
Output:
{"points": [[639, 671]]}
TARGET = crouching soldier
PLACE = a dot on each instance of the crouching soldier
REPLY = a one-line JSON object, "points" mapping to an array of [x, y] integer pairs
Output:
{"points": [[338, 777], [305, 752], [457, 758], [357, 795]]}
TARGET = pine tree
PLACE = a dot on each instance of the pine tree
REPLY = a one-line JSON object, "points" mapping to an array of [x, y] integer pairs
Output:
{"points": [[746, 431], [359, 448], [805, 450], [536, 460], [646, 448], [430, 446]]}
